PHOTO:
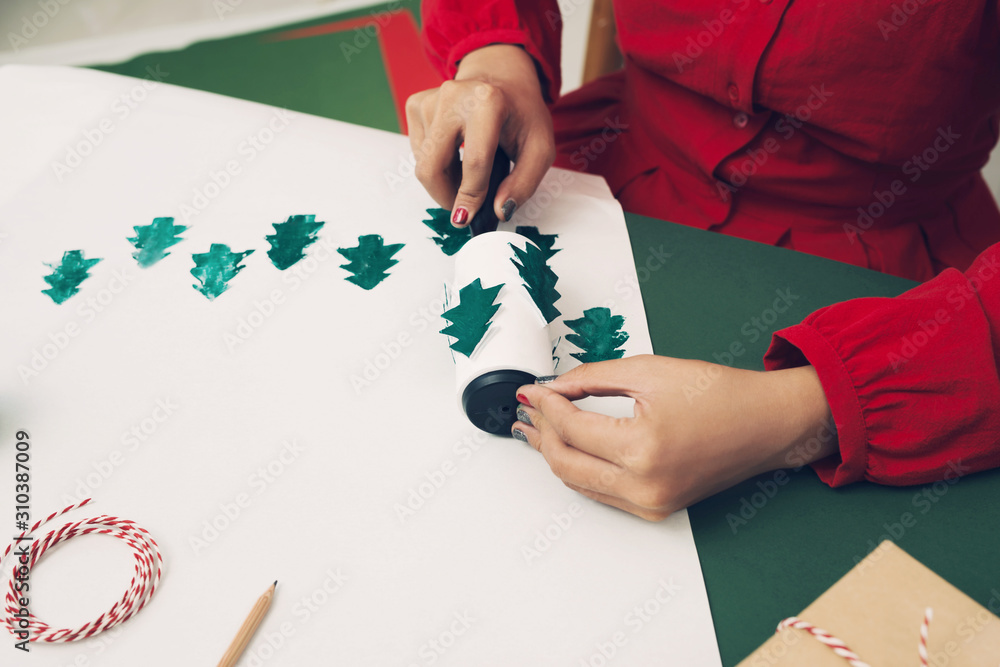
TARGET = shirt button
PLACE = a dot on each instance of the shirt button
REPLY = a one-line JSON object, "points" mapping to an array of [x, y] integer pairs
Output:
{"points": [[734, 92], [740, 120]]}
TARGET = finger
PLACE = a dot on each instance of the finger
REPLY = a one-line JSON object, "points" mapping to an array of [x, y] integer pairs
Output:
{"points": [[616, 377], [569, 462], [482, 135], [594, 433], [438, 155], [530, 165], [415, 121], [622, 504]]}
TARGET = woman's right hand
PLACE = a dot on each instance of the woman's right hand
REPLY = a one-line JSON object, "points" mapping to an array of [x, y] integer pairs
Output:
{"points": [[495, 99]]}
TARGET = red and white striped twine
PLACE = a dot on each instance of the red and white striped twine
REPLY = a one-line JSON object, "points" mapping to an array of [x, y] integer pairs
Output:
{"points": [[840, 648], [922, 646], [837, 646], [148, 568]]}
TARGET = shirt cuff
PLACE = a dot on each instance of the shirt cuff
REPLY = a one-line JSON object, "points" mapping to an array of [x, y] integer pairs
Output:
{"points": [[548, 76], [800, 345]]}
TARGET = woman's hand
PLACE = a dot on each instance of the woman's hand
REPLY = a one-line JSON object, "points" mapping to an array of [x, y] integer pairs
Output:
{"points": [[698, 428], [495, 99]]}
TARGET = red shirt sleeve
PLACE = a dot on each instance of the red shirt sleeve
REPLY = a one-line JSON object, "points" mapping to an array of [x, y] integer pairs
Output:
{"points": [[453, 28], [913, 381]]}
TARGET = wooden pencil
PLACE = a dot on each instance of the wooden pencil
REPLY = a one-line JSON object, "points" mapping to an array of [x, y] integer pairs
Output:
{"points": [[249, 627]]}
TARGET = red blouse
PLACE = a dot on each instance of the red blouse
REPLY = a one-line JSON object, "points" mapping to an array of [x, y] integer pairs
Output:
{"points": [[852, 131]]}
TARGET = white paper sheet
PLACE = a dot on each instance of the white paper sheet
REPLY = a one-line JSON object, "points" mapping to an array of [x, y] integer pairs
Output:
{"points": [[297, 427]]}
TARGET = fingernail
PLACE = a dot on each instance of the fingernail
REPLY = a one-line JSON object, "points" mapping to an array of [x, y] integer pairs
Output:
{"points": [[508, 209], [521, 398], [522, 416], [460, 216], [545, 379], [519, 435]]}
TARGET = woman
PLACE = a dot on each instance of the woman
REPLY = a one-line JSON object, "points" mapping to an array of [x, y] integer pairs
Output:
{"points": [[856, 133]]}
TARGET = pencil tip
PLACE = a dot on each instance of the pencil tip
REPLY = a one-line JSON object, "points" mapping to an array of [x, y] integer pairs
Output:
{"points": [[275, 584]]}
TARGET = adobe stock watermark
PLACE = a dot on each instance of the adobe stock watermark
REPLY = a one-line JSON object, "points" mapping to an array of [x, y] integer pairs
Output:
{"points": [[131, 440], [246, 152], [635, 621], [544, 538], [922, 502], [262, 310], [786, 126], [257, 482], [939, 654], [407, 164], [422, 319], [224, 7], [751, 331], [696, 44], [89, 306], [591, 149], [767, 489], [628, 287], [771, 655], [95, 646], [914, 168], [437, 646], [35, 23], [432, 481], [267, 644], [926, 330], [368, 33], [121, 108], [549, 191], [566, 9], [901, 13]]}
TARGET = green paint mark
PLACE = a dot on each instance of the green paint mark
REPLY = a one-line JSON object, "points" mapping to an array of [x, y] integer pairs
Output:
{"points": [[598, 334], [291, 238], [472, 316], [65, 279], [449, 237], [543, 241], [151, 241], [215, 268], [369, 260], [539, 279]]}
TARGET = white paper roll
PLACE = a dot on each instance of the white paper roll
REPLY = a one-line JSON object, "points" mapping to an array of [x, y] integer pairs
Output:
{"points": [[518, 336]]}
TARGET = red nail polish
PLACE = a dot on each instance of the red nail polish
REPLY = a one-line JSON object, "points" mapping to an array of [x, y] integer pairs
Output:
{"points": [[460, 216], [521, 398]]}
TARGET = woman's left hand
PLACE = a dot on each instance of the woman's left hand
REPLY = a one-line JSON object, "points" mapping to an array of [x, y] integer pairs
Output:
{"points": [[698, 428]]}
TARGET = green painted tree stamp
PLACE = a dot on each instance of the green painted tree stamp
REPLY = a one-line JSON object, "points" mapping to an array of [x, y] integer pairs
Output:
{"points": [[291, 238], [215, 268], [539, 279], [449, 238], [369, 261], [472, 317], [65, 279], [599, 334], [543, 241], [151, 241]]}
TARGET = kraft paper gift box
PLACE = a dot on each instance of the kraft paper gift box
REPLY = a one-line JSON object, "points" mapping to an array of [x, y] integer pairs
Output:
{"points": [[877, 609]]}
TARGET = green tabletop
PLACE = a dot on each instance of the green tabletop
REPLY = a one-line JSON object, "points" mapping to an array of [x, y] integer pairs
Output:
{"points": [[769, 546]]}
